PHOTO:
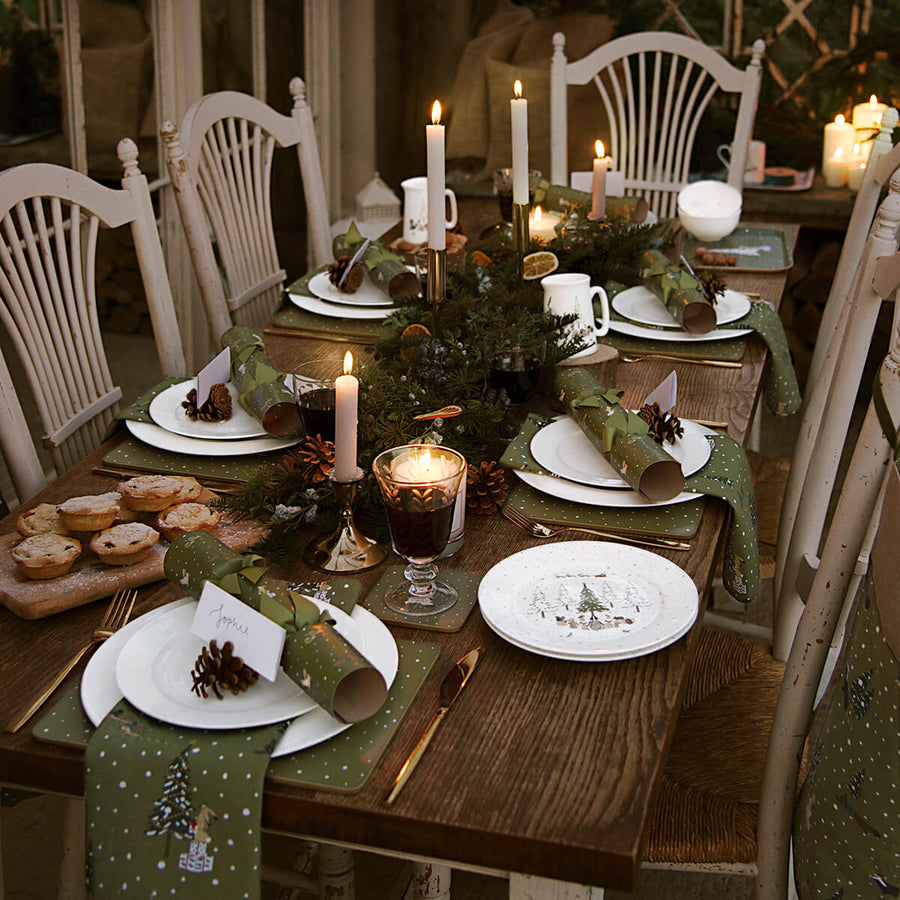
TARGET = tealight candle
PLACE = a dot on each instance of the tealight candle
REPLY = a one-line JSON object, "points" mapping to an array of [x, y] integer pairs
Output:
{"points": [[346, 399], [434, 141], [835, 170], [839, 134], [598, 183], [518, 110], [542, 225]]}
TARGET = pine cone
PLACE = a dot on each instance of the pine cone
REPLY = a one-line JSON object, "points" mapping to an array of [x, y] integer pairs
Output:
{"points": [[354, 277], [317, 456], [663, 427], [486, 488], [219, 671], [711, 286], [217, 407]]}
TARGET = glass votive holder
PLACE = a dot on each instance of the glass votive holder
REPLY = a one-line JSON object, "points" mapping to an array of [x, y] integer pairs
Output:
{"points": [[503, 189], [419, 484]]}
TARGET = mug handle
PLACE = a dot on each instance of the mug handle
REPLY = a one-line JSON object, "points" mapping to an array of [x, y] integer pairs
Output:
{"points": [[603, 328], [451, 222], [723, 151]]}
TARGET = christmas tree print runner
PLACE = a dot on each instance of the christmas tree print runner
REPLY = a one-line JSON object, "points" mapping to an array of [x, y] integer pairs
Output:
{"points": [[174, 812]]}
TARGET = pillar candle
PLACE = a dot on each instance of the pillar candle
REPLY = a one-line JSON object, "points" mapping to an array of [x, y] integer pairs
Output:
{"points": [[518, 111], [346, 398], [598, 183], [835, 170], [838, 134], [434, 143], [867, 116], [855, 175]]}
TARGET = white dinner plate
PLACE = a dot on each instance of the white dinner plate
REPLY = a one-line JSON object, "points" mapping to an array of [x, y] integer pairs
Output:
{"points": [[675, 334], [154, 674], [641, 305], [564, 449], [167, 412], [100, 692], [588, 601], [368, 293], [336, 311], [158, 437]]}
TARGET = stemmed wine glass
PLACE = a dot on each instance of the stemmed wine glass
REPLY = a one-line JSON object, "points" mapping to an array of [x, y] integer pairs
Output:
{"points": [[419, 484]]}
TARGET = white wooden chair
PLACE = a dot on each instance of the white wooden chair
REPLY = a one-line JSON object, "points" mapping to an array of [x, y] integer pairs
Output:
{"points": [[655, 87], [710, 799], [220, 165], [49, 222]]}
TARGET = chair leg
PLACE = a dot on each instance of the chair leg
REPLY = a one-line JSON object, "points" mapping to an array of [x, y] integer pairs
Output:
{"points": [[337, 877], [431, 881], [529, 887], [71, 870]]}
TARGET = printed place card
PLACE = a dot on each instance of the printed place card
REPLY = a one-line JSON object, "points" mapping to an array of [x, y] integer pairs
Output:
{"points": [[666, 395], [615, 182], [216, 371], [257, 640]]}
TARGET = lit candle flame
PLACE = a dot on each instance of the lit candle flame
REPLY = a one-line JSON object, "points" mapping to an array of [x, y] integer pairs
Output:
{"points": [[348, 363], [436, 113], [873, 101], [599, 150], [517, 88], [839, 120], [538, 213]]}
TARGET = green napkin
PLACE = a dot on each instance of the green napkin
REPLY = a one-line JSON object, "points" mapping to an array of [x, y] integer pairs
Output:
{"points": [[559, 198], [780, 387], [260, 386], [619, 434], [315, 655], [679, 291], [139, 410], [172, 811], [385, 268], [726, 476]]}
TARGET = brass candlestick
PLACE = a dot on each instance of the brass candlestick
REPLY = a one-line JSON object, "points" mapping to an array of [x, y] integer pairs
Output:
{"points": [[436, 285], [521, 237], [346, 549]]}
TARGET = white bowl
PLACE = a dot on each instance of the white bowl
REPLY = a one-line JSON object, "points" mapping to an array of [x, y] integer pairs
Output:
{"points": [[709, 210]]}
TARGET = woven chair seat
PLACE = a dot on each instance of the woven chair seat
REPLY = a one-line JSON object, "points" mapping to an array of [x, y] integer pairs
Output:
{"points": [[709, 800]]}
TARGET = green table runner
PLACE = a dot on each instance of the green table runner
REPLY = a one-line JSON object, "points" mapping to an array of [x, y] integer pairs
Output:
{"points": [[726, 476]]}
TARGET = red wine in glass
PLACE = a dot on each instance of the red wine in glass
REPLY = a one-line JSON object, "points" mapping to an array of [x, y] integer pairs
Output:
{"points": [[316, 408], [517, 372], [420, 532]]}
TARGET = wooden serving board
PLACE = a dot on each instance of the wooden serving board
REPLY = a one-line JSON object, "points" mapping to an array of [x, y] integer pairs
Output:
{"points": [[89, 579]]}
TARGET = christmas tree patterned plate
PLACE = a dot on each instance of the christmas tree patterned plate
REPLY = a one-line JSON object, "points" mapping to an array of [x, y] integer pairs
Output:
{"points": [[151, 434], [153, 672], [564, 449], [100, 692], [588, 601], [368, 293], [641, 305], [167, 412]]}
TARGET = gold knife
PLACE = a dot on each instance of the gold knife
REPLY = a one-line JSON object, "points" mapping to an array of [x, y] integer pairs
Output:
{"points": [[451, 687]]}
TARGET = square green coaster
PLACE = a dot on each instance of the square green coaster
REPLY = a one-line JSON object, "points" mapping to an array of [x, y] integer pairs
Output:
{"points": [[342, 763], [453, 619]]}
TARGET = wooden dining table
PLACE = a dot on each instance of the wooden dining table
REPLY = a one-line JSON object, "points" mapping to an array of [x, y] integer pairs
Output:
{"points": [[544, 770]]}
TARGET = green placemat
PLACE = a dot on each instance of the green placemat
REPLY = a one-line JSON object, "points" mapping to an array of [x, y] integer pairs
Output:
{"points": [[134, 454], [754, 249], [451, 620], [343, 763], [674, 520]]}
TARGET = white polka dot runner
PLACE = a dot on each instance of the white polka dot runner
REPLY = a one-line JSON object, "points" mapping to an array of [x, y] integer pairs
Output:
{"points": [[174, 812]]}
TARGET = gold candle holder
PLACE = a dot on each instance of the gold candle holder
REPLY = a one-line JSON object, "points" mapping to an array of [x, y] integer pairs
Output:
{"points": [[436, 285], [521, 237], [346, 549]]}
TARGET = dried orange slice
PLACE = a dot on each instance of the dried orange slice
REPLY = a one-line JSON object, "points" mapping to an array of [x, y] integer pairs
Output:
{"points": [[480, 258], [539, 264]]}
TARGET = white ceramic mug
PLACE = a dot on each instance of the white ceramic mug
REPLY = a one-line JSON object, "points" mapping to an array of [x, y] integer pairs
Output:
{"points": [[569, 293], [755, 168], [415, 209]]}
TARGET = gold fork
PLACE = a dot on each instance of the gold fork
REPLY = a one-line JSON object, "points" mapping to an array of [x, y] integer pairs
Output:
{"points": [[540, 530], [117, 614], [718, 363]]}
